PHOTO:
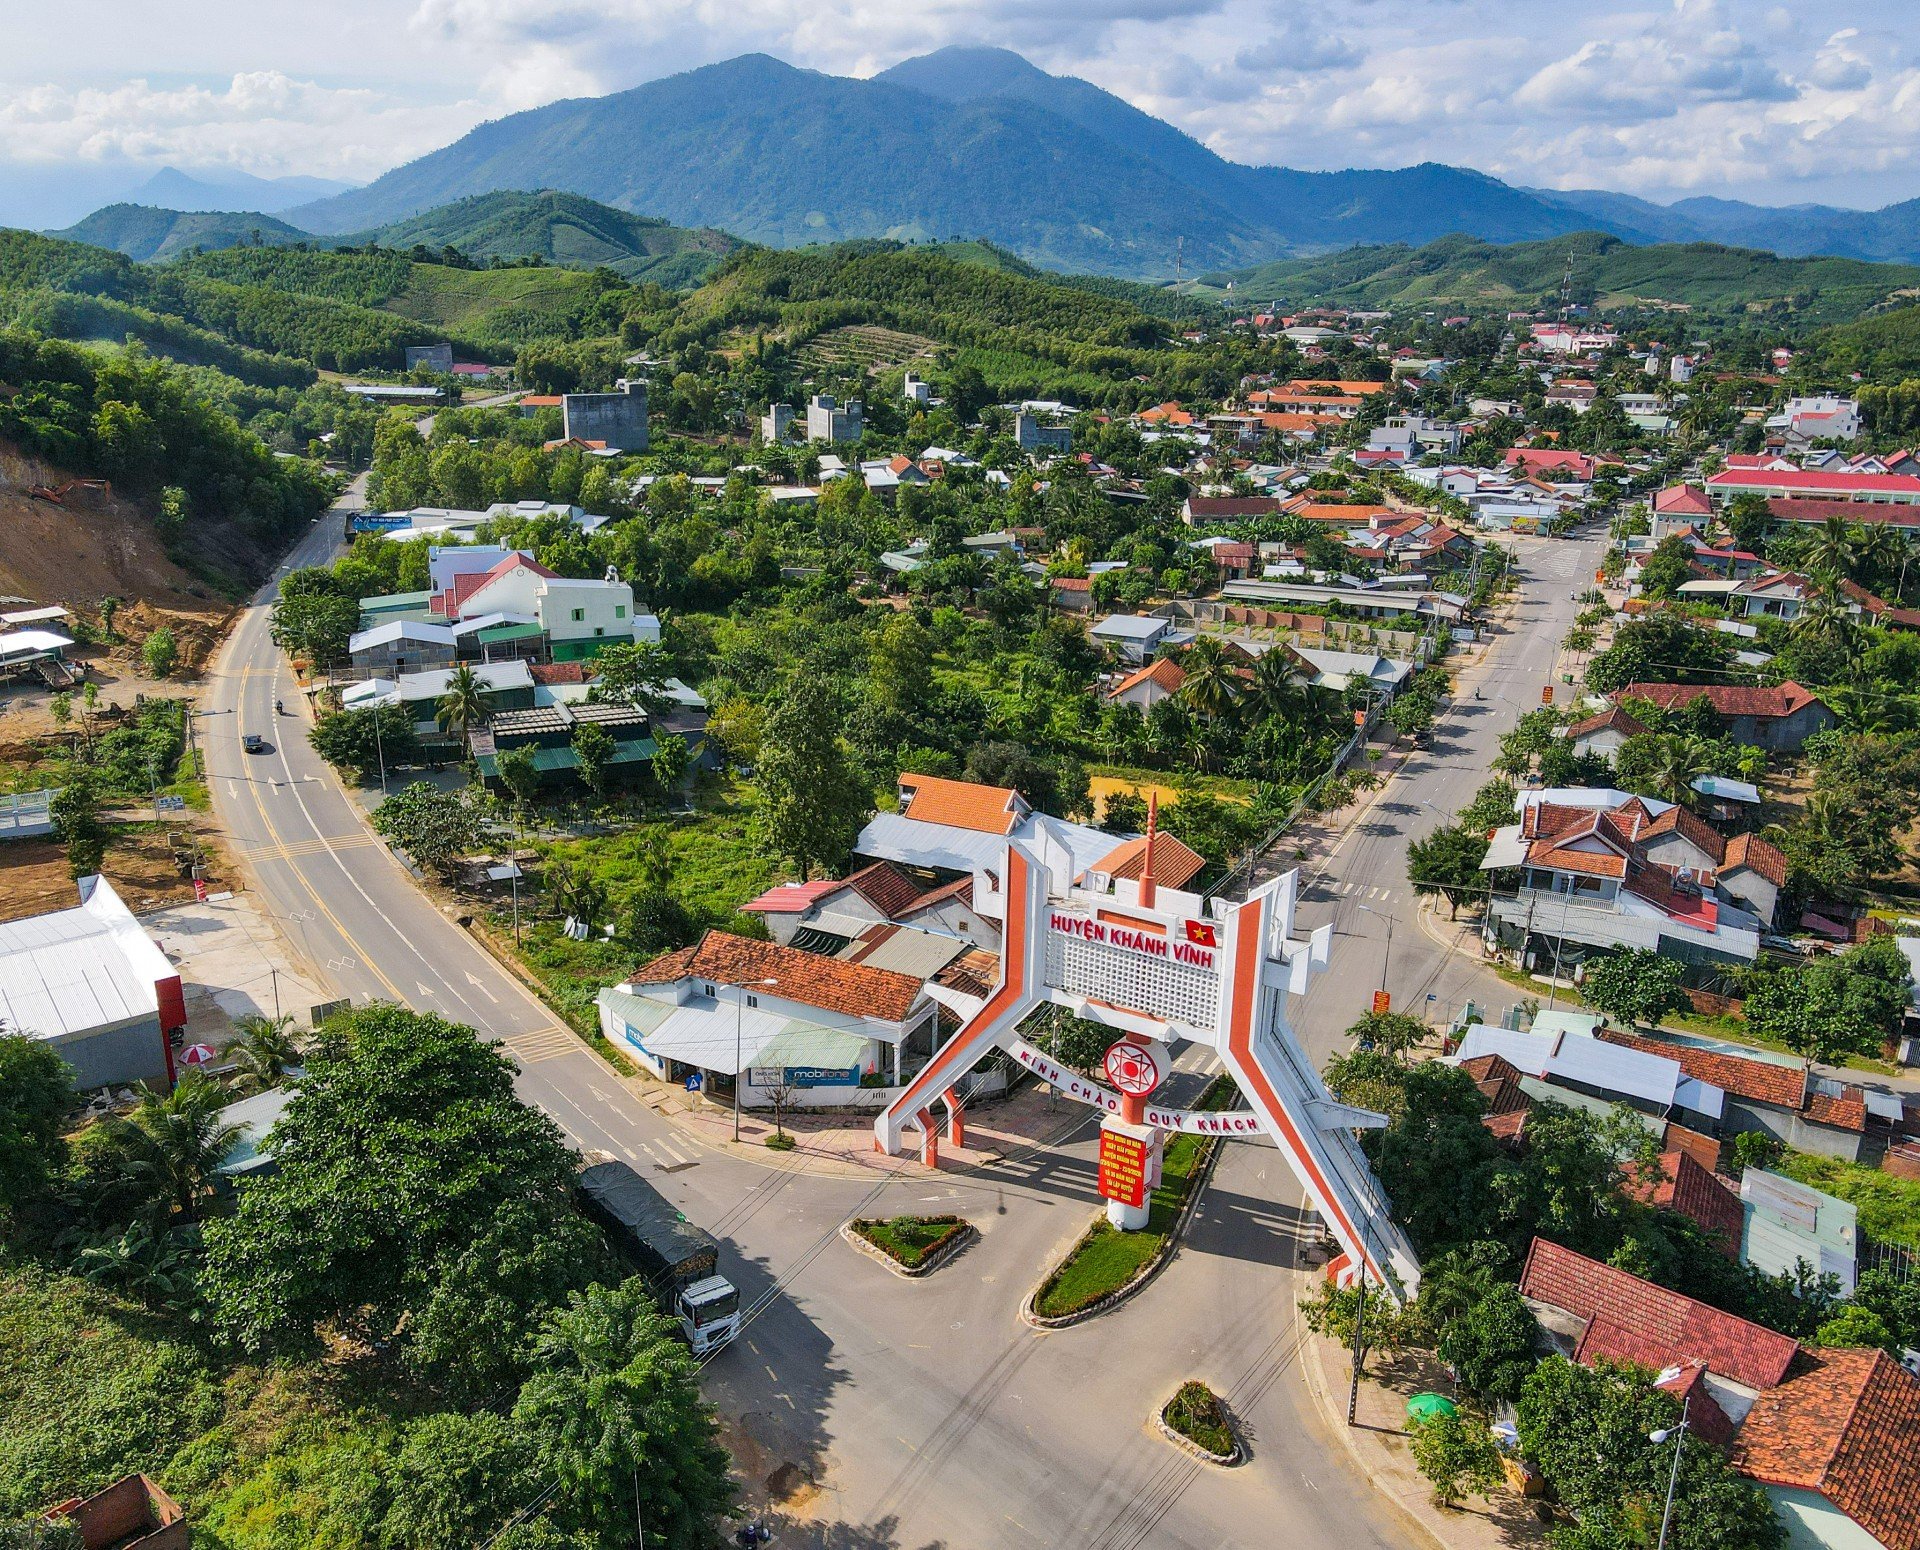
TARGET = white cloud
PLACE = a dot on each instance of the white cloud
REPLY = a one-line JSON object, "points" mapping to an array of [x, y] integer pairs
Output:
{"points": [[1757, 97], [1296, 46], [261, 121]]}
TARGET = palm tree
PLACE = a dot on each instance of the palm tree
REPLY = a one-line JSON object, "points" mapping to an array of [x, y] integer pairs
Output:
{"points": [[463, 704], [178, 1138], [1275, 689], [1212, 684], [1832, 551], [1677, 762], [266, 1051], [1826, 617]]}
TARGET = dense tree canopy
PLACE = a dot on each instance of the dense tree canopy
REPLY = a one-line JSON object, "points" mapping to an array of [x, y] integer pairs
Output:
{"points": [[414, 1199]]}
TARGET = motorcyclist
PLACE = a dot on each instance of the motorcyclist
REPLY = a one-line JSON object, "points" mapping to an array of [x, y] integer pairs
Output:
{"points": [[279, 707]]}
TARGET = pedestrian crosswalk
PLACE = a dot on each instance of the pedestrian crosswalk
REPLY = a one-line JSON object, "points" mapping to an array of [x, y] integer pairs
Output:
{"points": [[1358, 893], [542, 1044], [666, 1154], [326, 844]]}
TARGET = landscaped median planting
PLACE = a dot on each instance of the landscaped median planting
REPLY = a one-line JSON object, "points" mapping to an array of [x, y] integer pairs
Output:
{"points": [[916, 1245], [1196, 1419], [1106, 1262]]}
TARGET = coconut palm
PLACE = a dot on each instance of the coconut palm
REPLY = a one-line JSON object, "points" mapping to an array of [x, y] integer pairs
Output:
{"points": [[266, 1051], [1677, 762], [1212, 686], [1832, 551], [1826, 617], [178, 1138], [1275, 689], [463, 704]]}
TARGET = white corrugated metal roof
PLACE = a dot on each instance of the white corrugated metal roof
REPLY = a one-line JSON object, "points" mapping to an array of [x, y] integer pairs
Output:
{"points": [[400, 629], [894, 837], [78, 969], [493, 676]]}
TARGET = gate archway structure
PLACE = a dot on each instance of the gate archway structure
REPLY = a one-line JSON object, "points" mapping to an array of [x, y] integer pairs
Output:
{"points": [[1164, 964]]}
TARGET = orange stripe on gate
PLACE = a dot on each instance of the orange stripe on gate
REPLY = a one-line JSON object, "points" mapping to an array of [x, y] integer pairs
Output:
{"points": [[1246, 969], [1012, 984]]}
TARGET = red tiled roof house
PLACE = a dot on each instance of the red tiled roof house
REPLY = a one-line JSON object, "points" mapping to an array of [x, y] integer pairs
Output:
{"points": [[785, 1018], [1777, 717]]}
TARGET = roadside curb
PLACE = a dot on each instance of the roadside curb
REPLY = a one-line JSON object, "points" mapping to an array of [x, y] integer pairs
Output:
{"points": [[1314, 1375], [1193, 1449], [1169, 1246], [936, 1261]]}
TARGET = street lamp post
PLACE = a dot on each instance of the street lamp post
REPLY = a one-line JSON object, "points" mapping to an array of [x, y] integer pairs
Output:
{"points": [[739, 1017], [1386, 958], [1678, 1433]]}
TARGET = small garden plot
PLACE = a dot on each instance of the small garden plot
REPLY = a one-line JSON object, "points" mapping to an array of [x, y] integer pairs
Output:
{"points": [[1195, 1413], [911, 1241]]}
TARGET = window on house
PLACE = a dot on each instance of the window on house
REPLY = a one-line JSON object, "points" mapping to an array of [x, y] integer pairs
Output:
{"points": [[579, 615], [619, 610], [753, 1000], [706, 990], [599, 630]]}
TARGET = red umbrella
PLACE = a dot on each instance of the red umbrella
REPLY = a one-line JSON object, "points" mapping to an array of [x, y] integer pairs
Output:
{"points": [[198, 1054]]}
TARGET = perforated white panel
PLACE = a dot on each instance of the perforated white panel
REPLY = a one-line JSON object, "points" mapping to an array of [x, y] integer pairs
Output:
{"points": [[1180, 993]]}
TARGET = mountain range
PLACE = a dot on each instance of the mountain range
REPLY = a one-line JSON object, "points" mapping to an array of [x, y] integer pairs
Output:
{"points": [[977, 142], [1607, 272], [971, 143]]}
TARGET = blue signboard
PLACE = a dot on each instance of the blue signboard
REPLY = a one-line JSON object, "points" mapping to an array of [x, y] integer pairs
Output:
{"points": [[695, 1080], [822, 1076], [380, 521]]}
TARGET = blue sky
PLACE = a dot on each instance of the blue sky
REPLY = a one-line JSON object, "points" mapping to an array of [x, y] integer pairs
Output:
{"points": [[1779, 103]]}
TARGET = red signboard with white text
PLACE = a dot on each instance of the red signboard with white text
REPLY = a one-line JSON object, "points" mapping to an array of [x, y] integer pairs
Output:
{"points": [[1123, 1167]]}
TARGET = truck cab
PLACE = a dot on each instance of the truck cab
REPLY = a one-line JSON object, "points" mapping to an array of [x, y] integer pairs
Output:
{"points": [[709, 1313]]}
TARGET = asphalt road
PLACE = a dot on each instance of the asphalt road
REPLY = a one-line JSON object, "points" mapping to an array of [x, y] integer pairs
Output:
{"points": [[914, 1414], [1362, 888]]}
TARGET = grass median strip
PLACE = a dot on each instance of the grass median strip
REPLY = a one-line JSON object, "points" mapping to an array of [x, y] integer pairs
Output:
{"points": [[1106, 1260]]}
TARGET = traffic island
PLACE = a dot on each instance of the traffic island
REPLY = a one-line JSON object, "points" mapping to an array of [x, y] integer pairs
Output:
{"points": [[910, 1246], [1108, 1266], [1195, 1421]]}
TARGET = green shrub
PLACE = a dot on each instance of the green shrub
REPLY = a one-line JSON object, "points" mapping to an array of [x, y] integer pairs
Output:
{"points": [[1195, 1412]]}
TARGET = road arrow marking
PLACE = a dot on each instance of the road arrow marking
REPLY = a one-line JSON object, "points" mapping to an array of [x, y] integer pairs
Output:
{"points": [[425, 990], [478, 984]]}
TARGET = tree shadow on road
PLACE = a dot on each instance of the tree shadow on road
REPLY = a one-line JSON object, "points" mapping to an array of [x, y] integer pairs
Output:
{"points": [[882, 1534]]}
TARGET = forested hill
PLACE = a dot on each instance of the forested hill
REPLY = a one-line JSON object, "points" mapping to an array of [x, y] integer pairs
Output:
{"points": [[271, 315], [149, 235], [1881, 347], [562, 229], [565, 229], [1458, 271]]}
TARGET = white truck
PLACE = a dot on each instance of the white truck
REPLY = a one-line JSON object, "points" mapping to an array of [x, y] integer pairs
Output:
{"points": [[679, 1261]]}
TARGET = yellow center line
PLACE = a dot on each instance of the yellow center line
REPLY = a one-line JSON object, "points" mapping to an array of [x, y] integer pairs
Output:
{"points": [[542, 1044], [279, 840]]}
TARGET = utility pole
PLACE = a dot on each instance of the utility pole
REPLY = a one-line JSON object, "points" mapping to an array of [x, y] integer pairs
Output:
{"points": [[1359, 1331]]}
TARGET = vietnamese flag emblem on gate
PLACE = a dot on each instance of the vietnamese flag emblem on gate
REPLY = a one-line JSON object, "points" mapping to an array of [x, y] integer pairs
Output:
{"points": [[1201, 934]]}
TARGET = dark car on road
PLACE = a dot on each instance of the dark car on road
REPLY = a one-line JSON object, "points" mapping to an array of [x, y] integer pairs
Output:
{"points": [[253, 742]]}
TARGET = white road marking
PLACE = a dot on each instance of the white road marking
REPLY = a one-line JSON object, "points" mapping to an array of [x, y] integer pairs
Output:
{"points": [[425, 990], [480, 985]]}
